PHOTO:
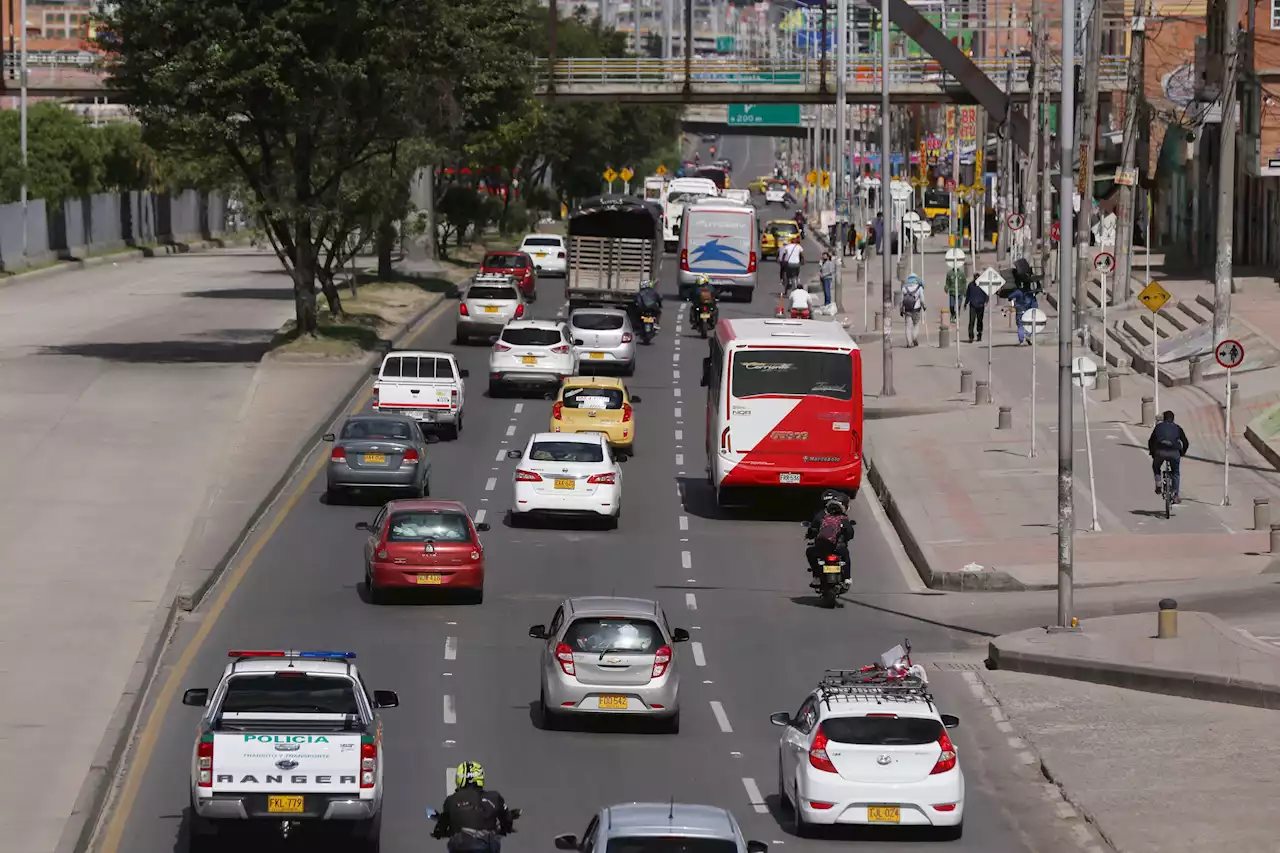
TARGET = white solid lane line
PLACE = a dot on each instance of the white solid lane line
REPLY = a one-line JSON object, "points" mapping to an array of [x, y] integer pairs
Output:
{"points": [[450, 715], [480, 514], [690, 601], [511, 430], [490, 483], [721, 717], [686, 560], [684, 522], [519, 408], [753, 796], [502, 454], [450, 648], [700, 659]]}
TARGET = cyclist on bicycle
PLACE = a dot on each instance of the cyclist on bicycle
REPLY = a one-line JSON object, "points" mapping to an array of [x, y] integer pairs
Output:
{"points": [[790, 259], [1168, 443]]}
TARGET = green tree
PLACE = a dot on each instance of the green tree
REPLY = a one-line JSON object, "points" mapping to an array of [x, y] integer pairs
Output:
{"points": [[64, 160]]}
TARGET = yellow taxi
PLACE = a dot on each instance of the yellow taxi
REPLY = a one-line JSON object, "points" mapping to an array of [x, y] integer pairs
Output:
{"points": [[776, 233], [760, 183], [596, 404]]}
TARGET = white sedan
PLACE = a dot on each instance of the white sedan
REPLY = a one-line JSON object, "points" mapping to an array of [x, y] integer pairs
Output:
{"points": [[550, 256], [568, 475], [775, 194]]}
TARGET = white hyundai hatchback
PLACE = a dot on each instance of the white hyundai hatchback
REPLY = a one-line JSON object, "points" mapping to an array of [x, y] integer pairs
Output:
{"points": [[531, 354], [567, 474], [877, 755]]}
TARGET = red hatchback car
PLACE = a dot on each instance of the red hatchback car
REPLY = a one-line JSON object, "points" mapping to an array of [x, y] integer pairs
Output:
{"points": [[515, 264], [423, 544]]}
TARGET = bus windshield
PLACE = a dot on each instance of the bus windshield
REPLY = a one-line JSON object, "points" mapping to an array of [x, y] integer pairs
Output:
{"points": [[792, 373]]}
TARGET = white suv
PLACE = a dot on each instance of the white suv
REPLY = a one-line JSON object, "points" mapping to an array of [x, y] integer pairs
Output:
{"points": [[531, 354], [870, 754]]}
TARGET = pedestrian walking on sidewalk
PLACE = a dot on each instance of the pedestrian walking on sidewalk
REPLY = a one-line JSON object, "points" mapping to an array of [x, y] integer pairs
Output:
{"points": [[1168, 443], [1023, 301], [850, 241], [913, 308], [976, 299], [955, 288], [827, 271]]}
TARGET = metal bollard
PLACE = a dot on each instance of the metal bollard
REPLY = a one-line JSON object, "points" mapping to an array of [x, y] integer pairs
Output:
{"points": [[876, 325], [1275, 538], [981, 392], [1004, 420], [1197, 370], [1113, 386], [1100, 381], [1148, 411], [1167, 620], [966, 382], [944, 336], [1261, 514]]}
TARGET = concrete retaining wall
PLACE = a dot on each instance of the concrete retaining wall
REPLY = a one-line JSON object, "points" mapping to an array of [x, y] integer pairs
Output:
{"points": [[106, 222]]}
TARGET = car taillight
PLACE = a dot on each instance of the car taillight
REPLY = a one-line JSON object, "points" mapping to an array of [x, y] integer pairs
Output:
{"points": [[368, 764], [947, 760], [410, 456], [662, 657], [204, 762], [751, 262], [626, 412], [519, 311], [338, 455], [626, 337], [556, 410], [684, 259], [559, 254], [602, 479], [564, 655], [818, 753], [462, 310], [562, 349], [453, 398], [501, 347], [523, 476]]}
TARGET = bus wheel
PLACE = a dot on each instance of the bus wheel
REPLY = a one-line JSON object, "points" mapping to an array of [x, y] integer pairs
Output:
{"points": [[725, 497]]}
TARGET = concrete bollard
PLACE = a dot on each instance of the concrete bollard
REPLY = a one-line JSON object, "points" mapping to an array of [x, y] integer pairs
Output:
{"points": [[966, 382], [1101, 381], [944, 335], [1197, 369], [1004, 420], [1261, 514], [981, 392], [1113, 386], [1148, 411], [1275, 538], [1167, 620], [876, 325]]}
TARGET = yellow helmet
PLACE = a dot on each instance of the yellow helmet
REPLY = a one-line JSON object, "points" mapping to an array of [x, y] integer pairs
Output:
{"points": [[704, 280], [468, 773]]}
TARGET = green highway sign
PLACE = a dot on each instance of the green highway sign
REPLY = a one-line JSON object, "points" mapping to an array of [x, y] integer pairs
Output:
{"points": [[785, 115], [724, 44]]}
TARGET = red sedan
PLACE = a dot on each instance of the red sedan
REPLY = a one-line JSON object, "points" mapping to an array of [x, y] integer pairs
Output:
{"points": [[515, 264], [423, 544]]}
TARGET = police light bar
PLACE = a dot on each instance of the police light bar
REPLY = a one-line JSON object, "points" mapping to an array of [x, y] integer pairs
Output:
{"points": [[238, 653]]}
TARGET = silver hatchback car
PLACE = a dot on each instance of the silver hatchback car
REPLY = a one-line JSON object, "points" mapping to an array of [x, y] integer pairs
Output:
{"points": [[603, 338], [378, 452], [610, 656], [489, 303], [652, 827]]}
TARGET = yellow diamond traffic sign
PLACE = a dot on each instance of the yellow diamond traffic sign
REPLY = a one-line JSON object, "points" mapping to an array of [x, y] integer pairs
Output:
{"points": [[626, 173], [811, 178], [661, 170], [1154, 296], [825, 179], [610, 175]]}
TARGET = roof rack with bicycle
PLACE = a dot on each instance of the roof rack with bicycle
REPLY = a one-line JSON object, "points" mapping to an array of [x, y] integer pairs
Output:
{"points": [[893, 678]]}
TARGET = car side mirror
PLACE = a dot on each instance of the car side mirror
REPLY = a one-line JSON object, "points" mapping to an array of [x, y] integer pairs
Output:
{"points": [[757, 847], [635, 399], [538, 632], [950, 721], [514, 454], [482, 526], [328, 436], [197, 697], [706, 372], [566, 842], [782, 718], [385, 699], [363, 525], [463, 372], [680, 635]]}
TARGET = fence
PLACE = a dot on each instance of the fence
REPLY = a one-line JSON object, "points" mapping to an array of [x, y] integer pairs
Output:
{"points": [[106, 222]]}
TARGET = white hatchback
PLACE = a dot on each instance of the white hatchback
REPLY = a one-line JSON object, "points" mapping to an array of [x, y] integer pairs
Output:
{"points": [[567, 474], [550, 256], [864, 757], [775, 194], [531, 354]]}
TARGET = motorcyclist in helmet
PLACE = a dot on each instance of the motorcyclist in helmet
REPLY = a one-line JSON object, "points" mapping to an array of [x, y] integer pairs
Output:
{"points": [[648, 303], [831, 531], [704, 296], [800, 221], [473, 818]]}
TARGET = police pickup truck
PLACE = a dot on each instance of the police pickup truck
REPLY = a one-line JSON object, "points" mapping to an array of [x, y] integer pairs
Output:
{"points": [[288, 739]]}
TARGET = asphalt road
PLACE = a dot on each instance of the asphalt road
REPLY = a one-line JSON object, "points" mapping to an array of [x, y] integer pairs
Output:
{"points": [[467, 675]]}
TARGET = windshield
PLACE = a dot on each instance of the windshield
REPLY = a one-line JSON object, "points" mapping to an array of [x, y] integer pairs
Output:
{"points": [[671, 844], [593, 398], [488, 291], [784, 228], [792, 373], [542, 241], [423, 525], [882, 731], [388, 429], [505, 262], [597, 322], [566, 451], [685, 197], [602, 634], [289, 694], [532, 337]]}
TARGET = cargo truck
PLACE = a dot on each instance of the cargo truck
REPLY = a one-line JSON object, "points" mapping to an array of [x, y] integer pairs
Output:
{"points": [[614, 246]]}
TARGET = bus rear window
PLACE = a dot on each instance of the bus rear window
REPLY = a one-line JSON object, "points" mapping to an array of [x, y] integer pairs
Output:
{"points": [[792, 373]]}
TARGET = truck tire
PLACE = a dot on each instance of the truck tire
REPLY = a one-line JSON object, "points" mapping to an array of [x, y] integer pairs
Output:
{"points": [[201, 833], [366, 835]]}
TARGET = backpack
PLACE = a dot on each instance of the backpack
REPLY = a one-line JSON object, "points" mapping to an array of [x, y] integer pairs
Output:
{"points": [[830, 528], [705, 296], [911, 299]]}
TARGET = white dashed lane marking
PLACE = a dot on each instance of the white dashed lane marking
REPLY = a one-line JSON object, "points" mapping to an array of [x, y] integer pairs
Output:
{"points": [[699, 657], [502, 454], [511, 430], [686, 560], [753, 796], [519, 408], [679, 435], [490, 483], [678, 414], [684, 522], [450, 648], [679, 458], [480, 514], [450, 715], [675, 392], [722, 719], [690, 601]]}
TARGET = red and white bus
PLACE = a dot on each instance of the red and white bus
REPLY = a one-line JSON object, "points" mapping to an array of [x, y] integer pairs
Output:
{"points": [[784, 406]]}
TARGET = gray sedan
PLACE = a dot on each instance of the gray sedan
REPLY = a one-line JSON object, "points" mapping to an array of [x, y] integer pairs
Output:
{"points": [[378, 452]]}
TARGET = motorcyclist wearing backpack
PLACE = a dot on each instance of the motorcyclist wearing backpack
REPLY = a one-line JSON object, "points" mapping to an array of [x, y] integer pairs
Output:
{"points": [[704, 296], [1168, 442], [830, 532], [473, 818], [648, 304]]}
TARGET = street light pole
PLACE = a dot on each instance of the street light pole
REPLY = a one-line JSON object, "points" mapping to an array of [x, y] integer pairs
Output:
{"points": [[22, 121], [886, 204], [1066, 311], [842, 72]]}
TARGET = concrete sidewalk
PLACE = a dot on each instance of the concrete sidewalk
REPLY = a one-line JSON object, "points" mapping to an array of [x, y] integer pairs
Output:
{"points": [[145, 432], [976, 511]]}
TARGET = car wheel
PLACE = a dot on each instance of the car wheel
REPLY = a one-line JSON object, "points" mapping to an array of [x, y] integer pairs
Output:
{"points": [[671, 725], [449, 432], [630, 369], [724, 497], [951, 833], [548, 720], [376, 594], [334, 496], [201, 834], [799, 826], [367, 834], [495, 390], [476, 596], [425, 491]]}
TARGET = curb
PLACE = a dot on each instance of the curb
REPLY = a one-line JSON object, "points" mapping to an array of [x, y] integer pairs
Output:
{"points": [[89, 806], [126, 256]]}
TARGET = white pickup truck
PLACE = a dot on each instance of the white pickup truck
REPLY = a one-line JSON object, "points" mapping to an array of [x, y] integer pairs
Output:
{"points": [[288, 739], [426, 386]]}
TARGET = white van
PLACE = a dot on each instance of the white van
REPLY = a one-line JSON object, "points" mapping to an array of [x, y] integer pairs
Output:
{"points": [[655, 187], [680, 192], [718, 240]]}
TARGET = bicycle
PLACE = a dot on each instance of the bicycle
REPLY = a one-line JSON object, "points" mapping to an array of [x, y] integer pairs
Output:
{"points": [[1166, 486]]}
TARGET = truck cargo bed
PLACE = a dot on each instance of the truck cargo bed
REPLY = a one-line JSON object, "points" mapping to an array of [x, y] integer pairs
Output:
{"points": [[609, 268]]}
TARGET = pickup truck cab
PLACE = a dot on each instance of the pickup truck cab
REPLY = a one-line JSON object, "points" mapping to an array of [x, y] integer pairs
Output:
{"points": [[426, 386], [288, 739]]}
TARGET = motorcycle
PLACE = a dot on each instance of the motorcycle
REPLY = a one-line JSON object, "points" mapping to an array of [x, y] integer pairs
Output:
{"points": [[647, 324], [829, 579], [704, 319], [477, 843]]}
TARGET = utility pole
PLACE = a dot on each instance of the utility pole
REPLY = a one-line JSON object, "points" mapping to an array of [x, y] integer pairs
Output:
{"points": [[1222, 282], [1066, 423], [1134, 101], [886, 204], [842, 72], [22, 107], [1088, 144], [1031, 187], [1010, 159]]}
